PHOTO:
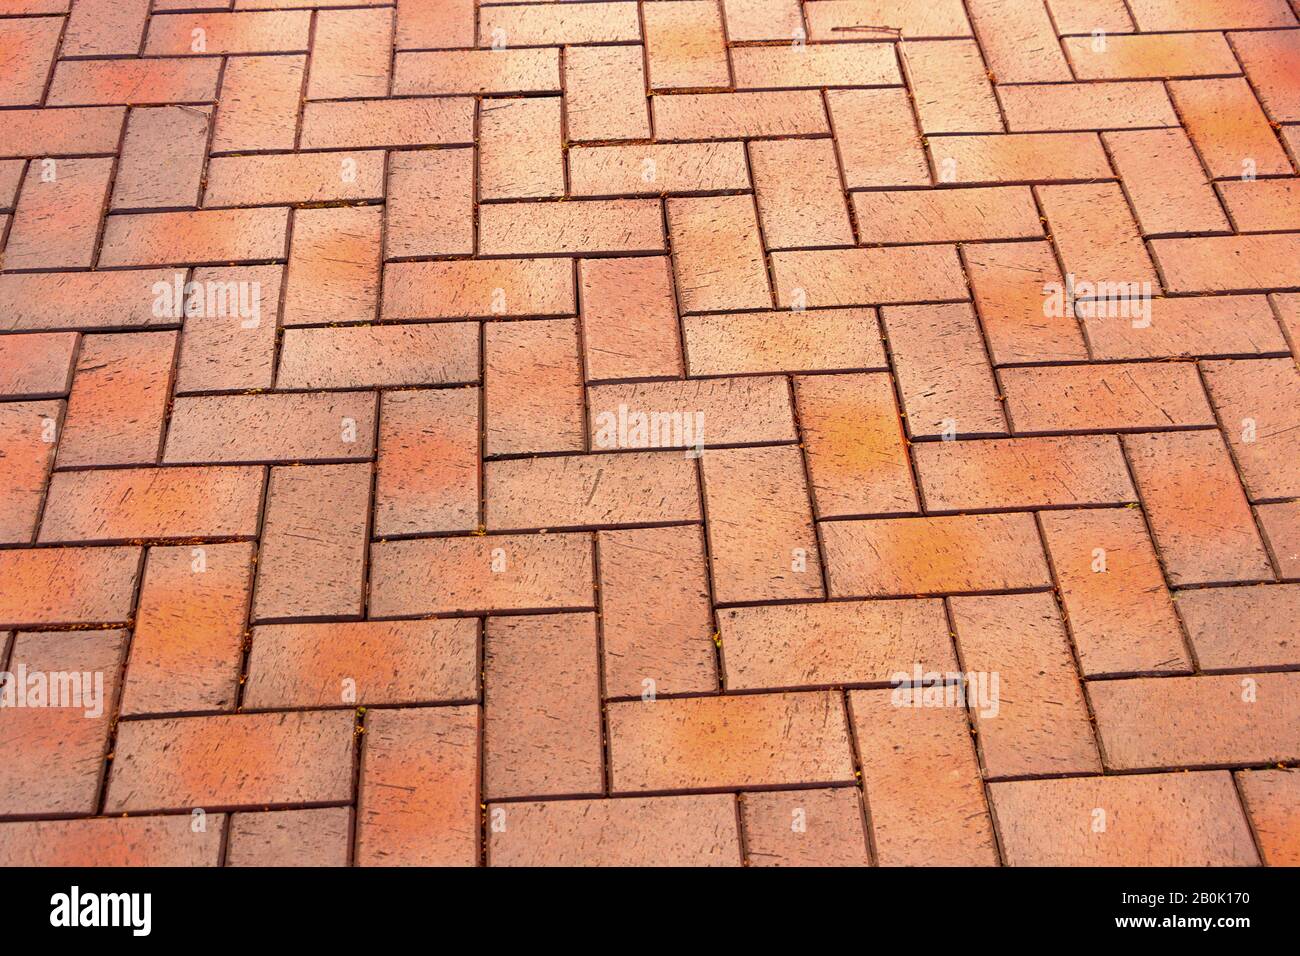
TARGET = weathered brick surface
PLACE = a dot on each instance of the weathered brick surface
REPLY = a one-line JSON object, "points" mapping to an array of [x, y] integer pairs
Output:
{"points": [[563, 433]]}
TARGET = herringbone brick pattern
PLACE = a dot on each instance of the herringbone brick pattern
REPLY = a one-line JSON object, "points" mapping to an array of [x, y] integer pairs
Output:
{"points": [[668, 432]]}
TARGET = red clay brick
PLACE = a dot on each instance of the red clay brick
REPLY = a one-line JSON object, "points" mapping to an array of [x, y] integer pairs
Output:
{"points": [[477, 71], [1229, 129], [760, 527], [312, 560], [1229, 263], [232, 345], [629, 319], [763, 20], [105, 28], [64, 132], [1272, 798], [833, 277], [187, 648], [1108, 249], [290, 838], [804, 828], [367, 663], [1084, 16], [419, 799], [333, 273], [576, 491], [1174, 55], [238, 429], [156, 503], [1118, 608], [1018, 158], [1023, 473], [430, 203], [1263, 205], [718, 254], [56, 221], [262, 32], [559, 26], [853, 440], [427, 476], [1198, 513], [837, 643], [67, 585], [1199, 721], [950, 87], [1280, 524], [947, 215], [656, 169], [593, 226], [913, 556], [532, 387], [1156, 15], [541, 713], [1166, 819], [379, 356], [473, 289], [1165, 182], [242, 760], [360, 124], [1258, 401], [685, 45], [1041, 726], [798, 193], [134, 82], [54, 760], [651, 831], [657, 639], [294, 178], [604, 93], [143, 183], [444, 575], [1019, 41], [118, 400], [350, 53], [434, 26], [1074, 107], [718, 411], [1272, 61], [1091, 397], [728, 742], [942, 371], [27, 47], [945, 822], [1235, 628], [112, 841], [521, 152], [38, 365], [877, 139], [756, 342], [210, 237], [815, 66], [829, 20], [28, 433], [259, 103], [1187, 327], [739, 115]]}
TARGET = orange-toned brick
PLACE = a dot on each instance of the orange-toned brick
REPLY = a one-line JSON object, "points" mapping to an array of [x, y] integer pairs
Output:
{"points": [[1229, 129], [1158, 15], [430, 203], [1144, 57], [739, 115], [1229, 263], [942, 370], [532, 387], [187, 648], [532, 70], [1023, 473], [447, 25], [62, 132], [804, 828], [442, 353], [1263, 205], [350, 53], [1198, 513], [112, 841], [269, 31], [427, 476], [691, 414], [815, 66], [520, 148], [835, 643], [67, 585], [1188, 327], [605, 93], [1073, 398], [144, 183], [1246, 627], [481, 573], [656, 640], [718, 254], [210, 237], [293, 178], [478, 288], [312, 559], [727, 742], [944, 822], [241, 429], [571, 24], [652, 831], [28, 436], [685, 45], [849, 277], [763, 20], [231, 345], [410, 121], [1199, 721], [877, 139], [1019, 41], [798, 193], [320, 837], [813, 340], [419, 788], [950, 87], [1073, 107], [333, 273], [1096, 236], [1272, 61], [1258, 401], [853, 440], [1118, 608], [1280, 524], [1165, 181], [260, 98], [37, 365], [134, 82], [1164, 819], [1084, 16], [1272, 798], [913, 556], [56, 220], [1018, 158], [1010, 283], [629, 319], [883, 19], [655, 169], [593, 226], [105, 28], [541, 707]]}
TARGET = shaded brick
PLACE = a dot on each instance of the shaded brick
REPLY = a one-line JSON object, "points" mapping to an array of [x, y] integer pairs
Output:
{"points": [[828, 19], [1228, 263], [1154, 15], [1071, 107], [629, 318], [432, 26], [239, 429], [559, 26], [67, 585], [1018, 158], [1150, 57], [142, 182], [1263, 205], [290, 838], [268, 31], [64, 132], [718, 254], [1019, 41], [1280, 524], [28, 431], [105, 28], [1272, 798], [814, 66], [541, 706], [229, 342], [1250, 627], [1105, 397], [480, 288], [1229, 129], [56, 221], [1165, 181], [333, 273], [427, 476], [379, 356], [38, 365], [762, 19], [1258, 401], [804, 828], [1188, 327], [112, 841], [209, 237], [532, 387], [755, 342], [134, 82], [1108, 249], [1272, 61], [260, 96]]}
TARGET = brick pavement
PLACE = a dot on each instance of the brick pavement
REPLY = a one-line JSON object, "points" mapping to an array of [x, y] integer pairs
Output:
{"points": [[544, 432]]}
